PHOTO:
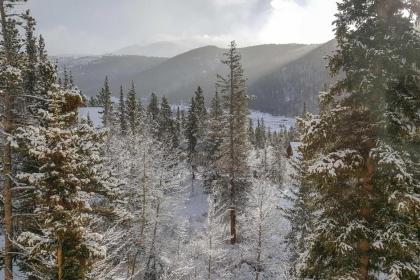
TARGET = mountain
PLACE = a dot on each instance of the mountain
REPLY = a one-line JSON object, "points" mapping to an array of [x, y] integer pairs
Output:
{"points": [[162, 48], [89, 72], [178, 77], [159, 49], [281, 77], [285, 89]]}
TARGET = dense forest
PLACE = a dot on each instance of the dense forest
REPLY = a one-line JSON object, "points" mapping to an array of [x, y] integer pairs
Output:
{"points": [[160, 191]]}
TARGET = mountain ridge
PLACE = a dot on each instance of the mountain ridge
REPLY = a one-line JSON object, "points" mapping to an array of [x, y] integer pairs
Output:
{"points": [[179, 76]]}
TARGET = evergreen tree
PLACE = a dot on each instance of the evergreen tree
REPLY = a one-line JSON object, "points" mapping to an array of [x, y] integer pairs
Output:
{"points": [[42, 54], [362, 149], [166, 125], [122, 114], [71, 80], [12, 68], [200, 107], [251, 132], [153, 107], [214, 139], [132, 110], [178, 124], [66, 180], [232, 191], [104, 101], [31, 54], [192, 134], [66, 80]]}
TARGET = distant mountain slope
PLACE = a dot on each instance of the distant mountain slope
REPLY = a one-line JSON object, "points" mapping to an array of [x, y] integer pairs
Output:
{"points": [[89, 72], [285, 89], [280, 76], [178, 77], [158, 49]]}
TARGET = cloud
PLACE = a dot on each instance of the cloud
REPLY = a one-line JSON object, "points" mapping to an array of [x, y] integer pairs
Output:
{"points": [[292, 21], [101, 26]]}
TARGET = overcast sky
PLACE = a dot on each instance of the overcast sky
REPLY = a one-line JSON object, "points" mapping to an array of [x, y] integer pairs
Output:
{"points": [[101, 26]]}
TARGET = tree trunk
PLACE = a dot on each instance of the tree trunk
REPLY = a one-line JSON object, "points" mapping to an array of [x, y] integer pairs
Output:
{"points": [[60, 259], [7, 125]]}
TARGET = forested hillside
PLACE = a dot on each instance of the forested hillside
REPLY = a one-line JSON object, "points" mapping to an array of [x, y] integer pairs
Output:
{"points": [[285, 90], [177, 77]]}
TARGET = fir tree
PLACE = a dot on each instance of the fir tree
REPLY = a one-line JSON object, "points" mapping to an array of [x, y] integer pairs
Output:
{"points": [[251, 132], [153, 107], [66, 81], [12, 67], [31, 54], [68, 178], [122, 114], [214, 139], [104, 101], [166, 126], [360, 150], [233, 163], [132, 110], [192, 134], [200, 107]]}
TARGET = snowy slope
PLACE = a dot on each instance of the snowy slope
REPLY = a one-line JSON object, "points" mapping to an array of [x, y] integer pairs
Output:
{"points": [[275, 123]]}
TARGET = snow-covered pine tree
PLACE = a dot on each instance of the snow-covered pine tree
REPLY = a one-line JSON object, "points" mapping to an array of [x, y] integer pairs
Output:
{"points": [[362, 151], [122, 113], [200, 108], [66, 78], [104, 100], [261, 243], [232, 190], [179, 126], [68, 187], [132, 110], [251, 132], [31, 54], [12, 66], [153, 107], [213, 142], [166, 125], [192, 134]]}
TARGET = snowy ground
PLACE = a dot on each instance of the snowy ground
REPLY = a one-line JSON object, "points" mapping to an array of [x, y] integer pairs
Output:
{"points": [[196, 206], [275, 123]]}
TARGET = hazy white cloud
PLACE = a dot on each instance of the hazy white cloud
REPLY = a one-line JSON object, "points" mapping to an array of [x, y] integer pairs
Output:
{"points": [[100, 26], [304, 21]]}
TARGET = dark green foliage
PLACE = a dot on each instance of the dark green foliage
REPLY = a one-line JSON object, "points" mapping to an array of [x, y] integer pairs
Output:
{"points": [[132, 110], [361, 151], [153, 107], [122, 114], [103, 99], [214, 139], [31, 55], [166, 124]]}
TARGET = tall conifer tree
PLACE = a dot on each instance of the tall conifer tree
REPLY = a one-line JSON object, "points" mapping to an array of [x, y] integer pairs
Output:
{"points": [[132, 109], [233, 163], [122, 114], [361, 151]]}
